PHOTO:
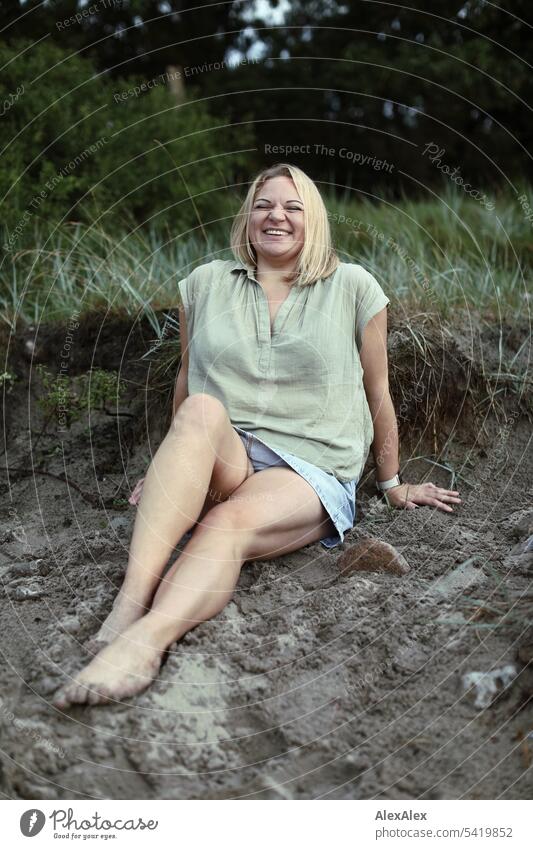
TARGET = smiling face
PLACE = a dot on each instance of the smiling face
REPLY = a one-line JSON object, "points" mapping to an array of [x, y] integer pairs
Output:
{"points": [[276, 225]]}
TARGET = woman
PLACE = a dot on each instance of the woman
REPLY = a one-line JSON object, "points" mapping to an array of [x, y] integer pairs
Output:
{"points": [[282, 390]]}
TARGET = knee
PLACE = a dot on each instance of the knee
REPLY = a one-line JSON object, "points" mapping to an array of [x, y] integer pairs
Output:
{"points": [[200, 410], [229, 520]]}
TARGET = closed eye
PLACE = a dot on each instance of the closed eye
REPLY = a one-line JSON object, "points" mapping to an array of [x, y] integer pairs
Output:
{"points": [[290, 208]]}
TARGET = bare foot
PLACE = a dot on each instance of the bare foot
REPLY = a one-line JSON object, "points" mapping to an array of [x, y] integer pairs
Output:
{"points": [[123, 668], [125, 612]]}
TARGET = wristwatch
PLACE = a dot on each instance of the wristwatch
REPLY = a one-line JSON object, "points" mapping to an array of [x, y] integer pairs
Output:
{"points": [[383, 486]]}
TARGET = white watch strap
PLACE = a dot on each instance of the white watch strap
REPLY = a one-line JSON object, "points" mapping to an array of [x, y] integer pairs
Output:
{"points": [[384, 485]]}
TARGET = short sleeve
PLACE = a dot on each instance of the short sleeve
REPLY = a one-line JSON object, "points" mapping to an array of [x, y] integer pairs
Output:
{"points": [[369, 300], [185, 288], [190, 288]]}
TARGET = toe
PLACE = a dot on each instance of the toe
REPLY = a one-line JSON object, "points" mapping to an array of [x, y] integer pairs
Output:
{"points": [[100, 694], [86, 691], [79, 693], [94, 696], [66, 696], [60, 699], [104, 695]]}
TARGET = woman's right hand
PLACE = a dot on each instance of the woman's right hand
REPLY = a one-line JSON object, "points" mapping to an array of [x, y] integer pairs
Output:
{"points": [[135, 496], [410, 496]]}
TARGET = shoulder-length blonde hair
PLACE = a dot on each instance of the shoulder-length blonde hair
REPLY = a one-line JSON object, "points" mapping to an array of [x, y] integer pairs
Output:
{"points": [[317, 258]]}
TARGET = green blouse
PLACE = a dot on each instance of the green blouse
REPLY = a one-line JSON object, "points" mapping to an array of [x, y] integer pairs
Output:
{"points": [[300, 388]]}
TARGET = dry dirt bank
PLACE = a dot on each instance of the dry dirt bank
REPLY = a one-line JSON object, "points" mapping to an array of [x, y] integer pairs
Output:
{"points": [[309, 684]]}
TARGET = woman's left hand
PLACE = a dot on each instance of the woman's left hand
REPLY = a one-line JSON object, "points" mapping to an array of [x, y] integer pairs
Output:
{"points": [[410, 496], [135, 496]]}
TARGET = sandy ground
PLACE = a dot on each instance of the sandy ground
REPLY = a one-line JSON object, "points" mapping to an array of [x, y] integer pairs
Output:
{"points": [[310, 684]]}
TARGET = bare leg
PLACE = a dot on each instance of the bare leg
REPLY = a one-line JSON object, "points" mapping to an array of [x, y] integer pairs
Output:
{"points": [[201, 586], [201, 454], [277, 512]]}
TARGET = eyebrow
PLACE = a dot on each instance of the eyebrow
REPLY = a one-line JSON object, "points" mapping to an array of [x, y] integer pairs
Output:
{"points": [[287, 201]]}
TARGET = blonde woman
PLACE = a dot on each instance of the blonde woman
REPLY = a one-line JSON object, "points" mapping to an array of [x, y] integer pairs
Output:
{"points": [[282, 391]]}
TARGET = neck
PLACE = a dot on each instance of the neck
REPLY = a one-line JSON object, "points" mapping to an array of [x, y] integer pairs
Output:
{"points": [[268, 271]]}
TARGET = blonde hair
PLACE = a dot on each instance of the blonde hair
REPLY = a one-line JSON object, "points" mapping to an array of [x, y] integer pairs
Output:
{"points": [[318, 257]]}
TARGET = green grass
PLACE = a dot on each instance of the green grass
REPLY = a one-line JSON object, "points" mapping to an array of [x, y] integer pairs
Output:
{"points": [[435, 255]]}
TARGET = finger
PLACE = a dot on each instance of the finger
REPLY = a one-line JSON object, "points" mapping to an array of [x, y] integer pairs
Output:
{"points": [[441, 506], [422, 498], [433, 502], [437, 498], [410, 505]]}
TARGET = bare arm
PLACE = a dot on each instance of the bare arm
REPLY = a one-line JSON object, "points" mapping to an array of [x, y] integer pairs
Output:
{"points": [[374, 361]]}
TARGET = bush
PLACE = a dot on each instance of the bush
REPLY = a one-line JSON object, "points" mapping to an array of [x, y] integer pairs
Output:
{"points": [[60, 399], [78, 145]]}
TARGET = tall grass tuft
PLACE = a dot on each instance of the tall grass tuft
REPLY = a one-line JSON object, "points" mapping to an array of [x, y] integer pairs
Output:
{"points": [[433, 255]]}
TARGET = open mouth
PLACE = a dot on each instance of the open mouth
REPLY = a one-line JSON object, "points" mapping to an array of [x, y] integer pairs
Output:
{"points": [[273, 231]]}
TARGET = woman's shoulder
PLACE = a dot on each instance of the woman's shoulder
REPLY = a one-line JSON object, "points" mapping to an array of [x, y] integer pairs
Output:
{"points": [[354, 271], [202, 278], [213, 268], [357, 277]]}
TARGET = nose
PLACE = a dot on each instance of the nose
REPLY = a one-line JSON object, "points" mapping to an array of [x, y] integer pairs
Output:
{"points": [[277, 213]]}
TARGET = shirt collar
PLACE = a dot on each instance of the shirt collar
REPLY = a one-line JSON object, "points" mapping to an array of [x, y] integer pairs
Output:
{"points": [[242, 266]]}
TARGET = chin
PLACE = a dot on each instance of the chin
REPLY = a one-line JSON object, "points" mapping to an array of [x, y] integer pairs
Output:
{"points": [[276, 248]]}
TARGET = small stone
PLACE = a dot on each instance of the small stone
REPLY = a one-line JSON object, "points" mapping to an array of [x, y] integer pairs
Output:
{"points": [[70, 624], [520, 564], [24, 570], [520, 524], [46, 685], [457, 581], [22, 593], [484, 687], [523, 547], [369, 554]]}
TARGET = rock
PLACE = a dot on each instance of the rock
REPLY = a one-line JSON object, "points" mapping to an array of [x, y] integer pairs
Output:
{"points": [[520, 524], [27, 569], [484, 687], [24, 570], [46, 685], [369, 554], [521, 564], [457, 580], [24, 593], [70, 624], [523, 547]]}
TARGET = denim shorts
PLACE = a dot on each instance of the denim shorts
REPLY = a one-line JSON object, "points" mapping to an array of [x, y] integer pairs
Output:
{"points": [[337, 497]]}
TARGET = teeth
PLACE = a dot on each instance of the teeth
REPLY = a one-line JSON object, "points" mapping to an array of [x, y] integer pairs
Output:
{"points": [[276, 232]]}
